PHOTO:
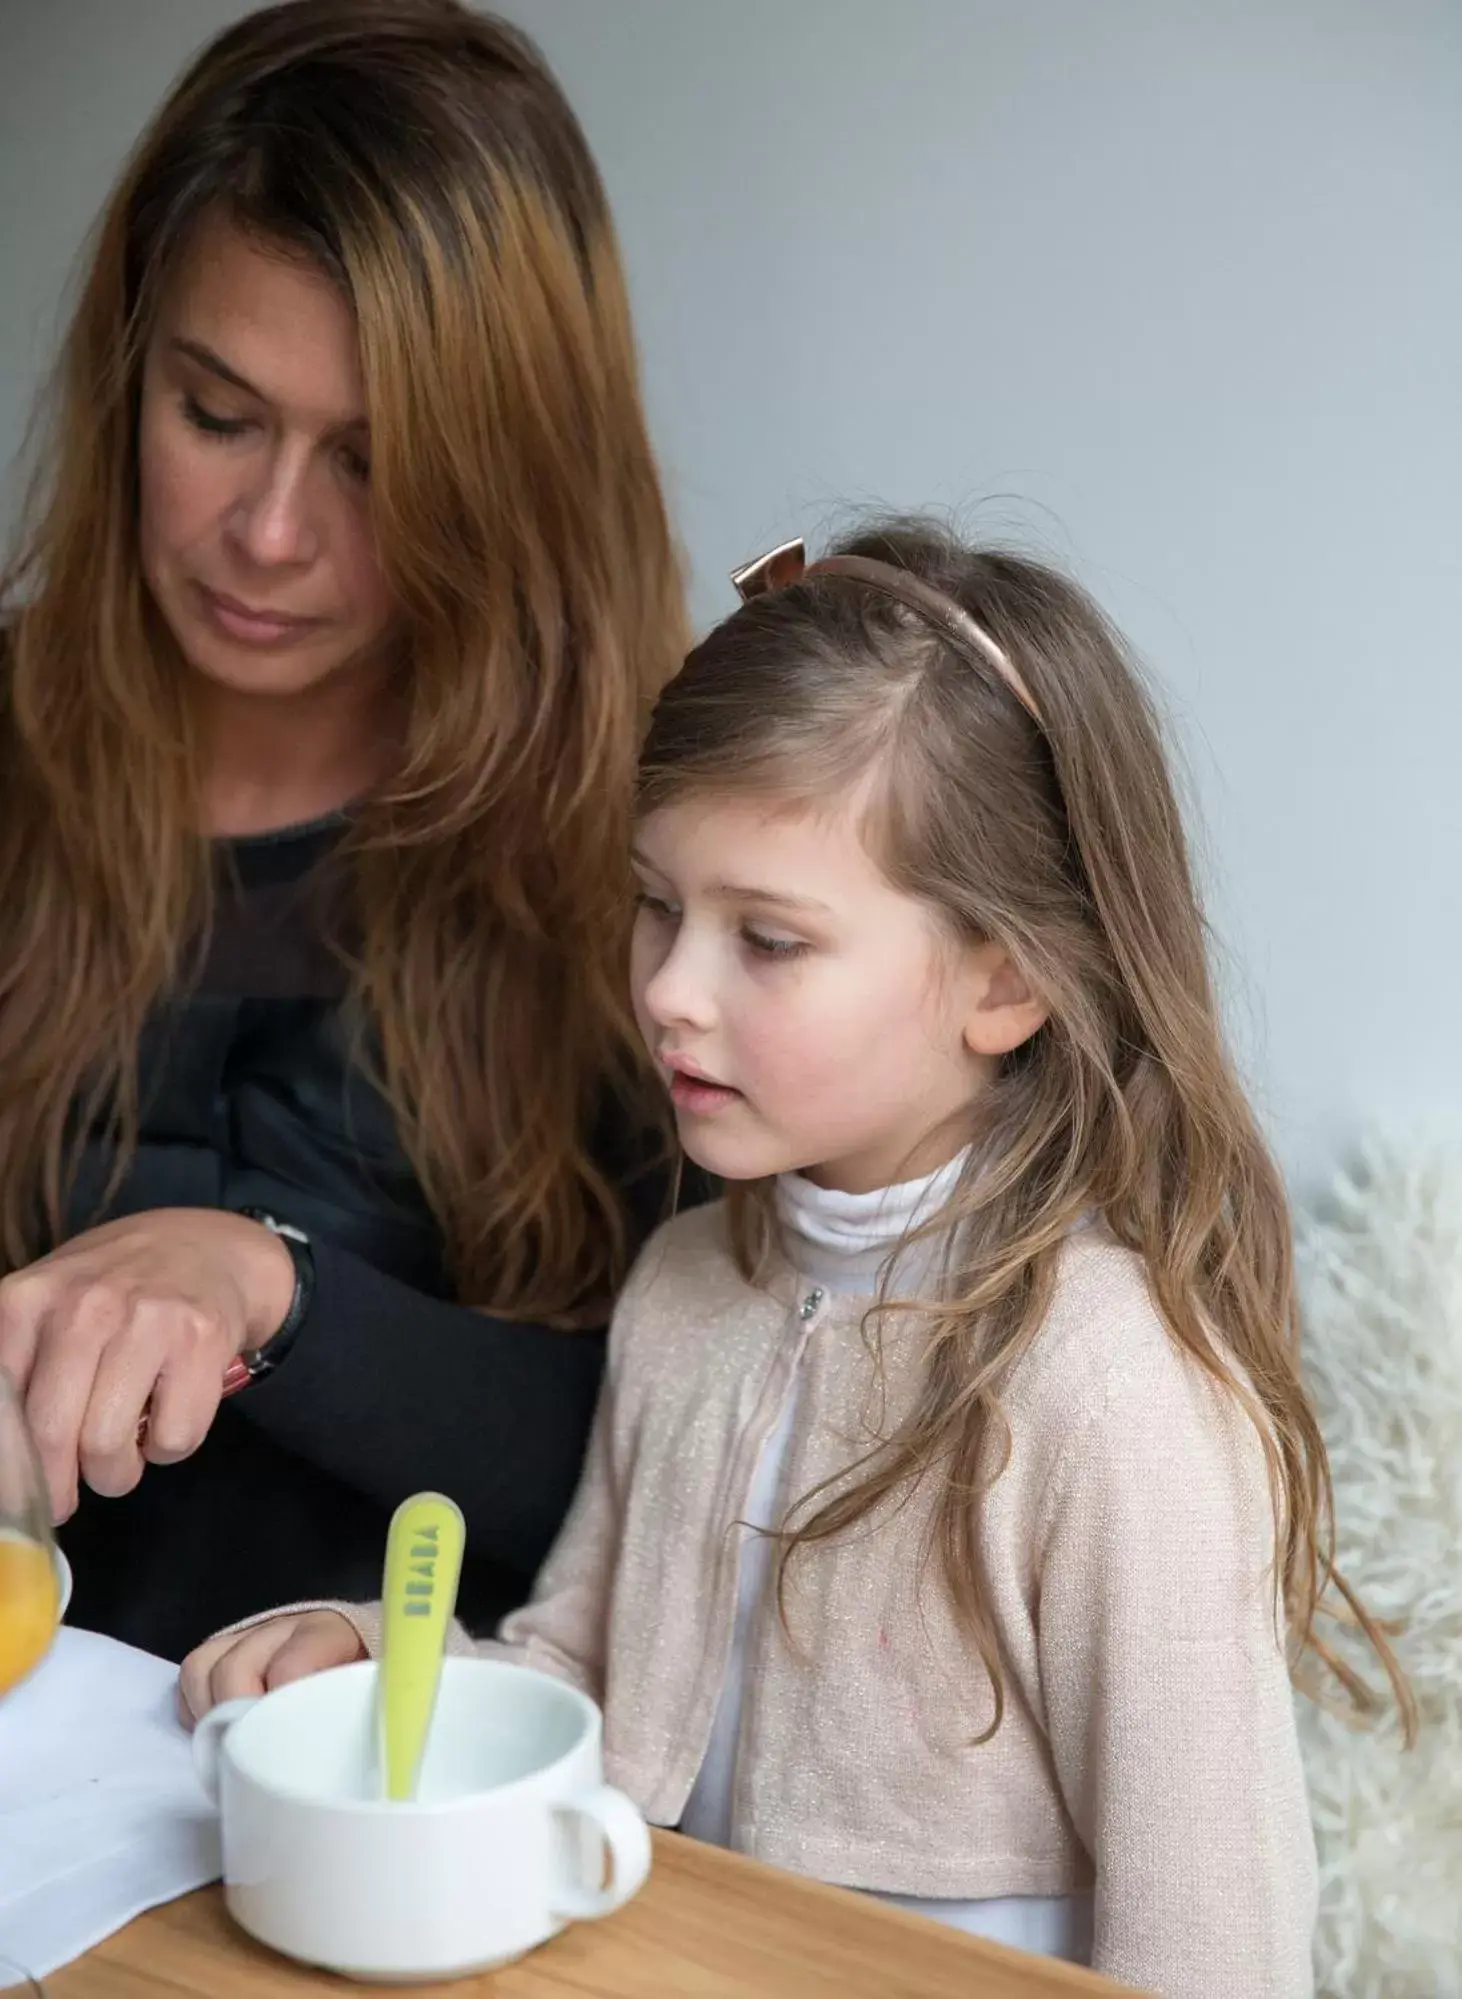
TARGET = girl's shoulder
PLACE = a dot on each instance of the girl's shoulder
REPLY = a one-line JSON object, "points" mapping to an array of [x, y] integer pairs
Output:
{"points": [[1112, 1417], [1104, 1343], [694, 1242], [687, 1273]]}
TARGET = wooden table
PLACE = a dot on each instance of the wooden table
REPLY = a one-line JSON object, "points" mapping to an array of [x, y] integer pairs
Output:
{"points": [[709, 1925]]}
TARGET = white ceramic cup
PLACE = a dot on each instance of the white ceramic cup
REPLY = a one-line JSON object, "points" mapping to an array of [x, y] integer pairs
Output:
{"points": [[63, 1583], [506, 1841]]}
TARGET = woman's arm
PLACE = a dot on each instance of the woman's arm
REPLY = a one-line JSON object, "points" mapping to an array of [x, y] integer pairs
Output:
{"points": [[393, 1392], [563, 1630], [119, 1342]]}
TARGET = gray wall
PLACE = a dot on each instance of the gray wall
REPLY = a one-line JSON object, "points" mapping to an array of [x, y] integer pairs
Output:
{"points": [[1172, 291]]}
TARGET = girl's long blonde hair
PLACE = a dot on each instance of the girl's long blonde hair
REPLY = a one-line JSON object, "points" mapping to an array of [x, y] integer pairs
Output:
{"points": [[423, 156], [1062, 841]]}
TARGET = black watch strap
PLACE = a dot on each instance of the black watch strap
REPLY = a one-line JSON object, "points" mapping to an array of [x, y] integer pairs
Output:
{"points": [[264, 1359]]}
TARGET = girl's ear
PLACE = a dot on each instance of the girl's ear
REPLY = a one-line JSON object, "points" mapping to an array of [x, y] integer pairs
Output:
{"points": [[1002, 1010]]}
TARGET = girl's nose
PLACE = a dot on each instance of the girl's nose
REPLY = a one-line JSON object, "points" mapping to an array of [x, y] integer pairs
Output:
{"points": [[678, 993]]}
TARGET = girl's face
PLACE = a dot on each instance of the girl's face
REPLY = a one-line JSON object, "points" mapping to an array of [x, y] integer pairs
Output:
{"points": [[809, 1016], [254, 461]]}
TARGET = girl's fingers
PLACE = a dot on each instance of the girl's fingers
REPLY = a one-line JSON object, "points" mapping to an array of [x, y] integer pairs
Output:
{"points": [[318, 1642], [250, 1663]]}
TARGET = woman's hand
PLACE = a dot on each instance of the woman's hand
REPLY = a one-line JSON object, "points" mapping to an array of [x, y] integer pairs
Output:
{"points": [[137, 1318], [265, 1656]]}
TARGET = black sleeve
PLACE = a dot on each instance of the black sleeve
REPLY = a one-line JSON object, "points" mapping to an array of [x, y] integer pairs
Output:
{"points": [[393, 1392]]}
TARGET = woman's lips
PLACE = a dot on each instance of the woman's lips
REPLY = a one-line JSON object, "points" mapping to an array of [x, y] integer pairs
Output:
{"points": [[248, 626]]}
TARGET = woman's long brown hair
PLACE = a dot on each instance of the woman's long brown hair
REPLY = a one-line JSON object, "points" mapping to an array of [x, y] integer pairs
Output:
{"points": [[423, 156], [1064, 842]]}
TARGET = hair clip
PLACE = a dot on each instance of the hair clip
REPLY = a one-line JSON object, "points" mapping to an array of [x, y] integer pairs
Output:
{"points": [[772, 571]]}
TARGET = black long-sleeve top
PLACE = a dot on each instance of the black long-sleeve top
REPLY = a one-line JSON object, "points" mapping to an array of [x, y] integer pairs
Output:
{"points": [[251, 1098]]}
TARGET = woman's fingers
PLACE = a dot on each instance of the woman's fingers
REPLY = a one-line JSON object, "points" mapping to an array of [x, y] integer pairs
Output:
{"points": [[23, 1298], [108, 1449], [57, 1399], [185, 1399], [136, 1320]]}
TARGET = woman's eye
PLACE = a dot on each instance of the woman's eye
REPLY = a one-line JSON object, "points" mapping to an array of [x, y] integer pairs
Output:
{"points": [[652, 905], [775, 947], [210, 424], [356, 465]]}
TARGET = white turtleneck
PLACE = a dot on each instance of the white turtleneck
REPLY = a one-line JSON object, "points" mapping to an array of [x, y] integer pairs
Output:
{"points": [[840, 1243]]}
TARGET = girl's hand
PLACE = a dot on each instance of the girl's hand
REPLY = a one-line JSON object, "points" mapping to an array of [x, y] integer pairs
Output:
{"points": [[140, 1317], [266, 1656]]}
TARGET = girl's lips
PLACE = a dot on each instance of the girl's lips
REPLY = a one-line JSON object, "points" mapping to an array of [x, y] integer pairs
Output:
{"points": [[697, 1095]]}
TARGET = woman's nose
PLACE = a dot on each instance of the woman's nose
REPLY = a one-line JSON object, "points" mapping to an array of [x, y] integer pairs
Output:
{"points": [[272, 518]]}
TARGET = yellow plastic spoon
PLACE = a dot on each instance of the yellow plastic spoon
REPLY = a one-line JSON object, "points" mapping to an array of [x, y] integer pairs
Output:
{"points": [[423, 1564]]}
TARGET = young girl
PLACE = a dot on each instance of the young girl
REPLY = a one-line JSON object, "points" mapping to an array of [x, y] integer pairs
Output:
{"points": [[954, 1502]]}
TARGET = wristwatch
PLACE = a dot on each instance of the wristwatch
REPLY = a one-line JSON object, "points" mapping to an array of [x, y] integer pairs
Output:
{"points": [[255, 1362]]}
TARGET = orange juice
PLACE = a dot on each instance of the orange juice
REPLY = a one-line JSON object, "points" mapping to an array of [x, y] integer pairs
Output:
{"points": [[29, 1605]]}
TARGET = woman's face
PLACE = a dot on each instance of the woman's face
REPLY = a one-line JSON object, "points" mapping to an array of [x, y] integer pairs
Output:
{"points": [[254, 456]]}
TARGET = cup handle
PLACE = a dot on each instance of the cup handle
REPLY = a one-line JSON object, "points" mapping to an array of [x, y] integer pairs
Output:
{"points": [[208, 1741], [626, 1839]]}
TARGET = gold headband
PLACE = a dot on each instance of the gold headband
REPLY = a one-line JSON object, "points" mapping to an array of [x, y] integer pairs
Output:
{"points": [[788, 564]]}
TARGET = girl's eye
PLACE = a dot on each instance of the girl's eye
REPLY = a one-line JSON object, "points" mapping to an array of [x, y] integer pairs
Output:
{"points": [[775, 947], [653, 906], [356, 466], [211, 425]]}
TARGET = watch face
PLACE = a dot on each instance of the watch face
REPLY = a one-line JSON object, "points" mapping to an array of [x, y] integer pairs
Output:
{"points": [[274, 1225]]}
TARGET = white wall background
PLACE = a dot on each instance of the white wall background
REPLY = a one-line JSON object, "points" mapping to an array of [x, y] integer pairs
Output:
{"points": [[1169, 289]]}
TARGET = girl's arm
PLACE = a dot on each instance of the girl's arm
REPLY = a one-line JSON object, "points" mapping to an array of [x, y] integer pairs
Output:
{"points": [[1167, 1691], [561, 1630]]}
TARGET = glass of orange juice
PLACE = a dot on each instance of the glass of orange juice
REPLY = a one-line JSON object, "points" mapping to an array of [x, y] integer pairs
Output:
{"points": [[30, 1602]]}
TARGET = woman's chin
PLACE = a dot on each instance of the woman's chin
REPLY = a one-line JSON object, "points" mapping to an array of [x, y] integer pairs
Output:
{"points": [[254, 671]]}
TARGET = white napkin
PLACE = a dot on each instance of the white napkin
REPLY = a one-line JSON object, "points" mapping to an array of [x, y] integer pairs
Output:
{"points": [[101, 1816]]}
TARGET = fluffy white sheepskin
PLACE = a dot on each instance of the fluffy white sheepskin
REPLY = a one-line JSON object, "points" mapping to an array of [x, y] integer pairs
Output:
{"points": [[1381, 1289]]}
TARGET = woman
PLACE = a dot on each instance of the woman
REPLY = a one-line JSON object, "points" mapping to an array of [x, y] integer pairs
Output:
{"points": [[346, 590]]}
